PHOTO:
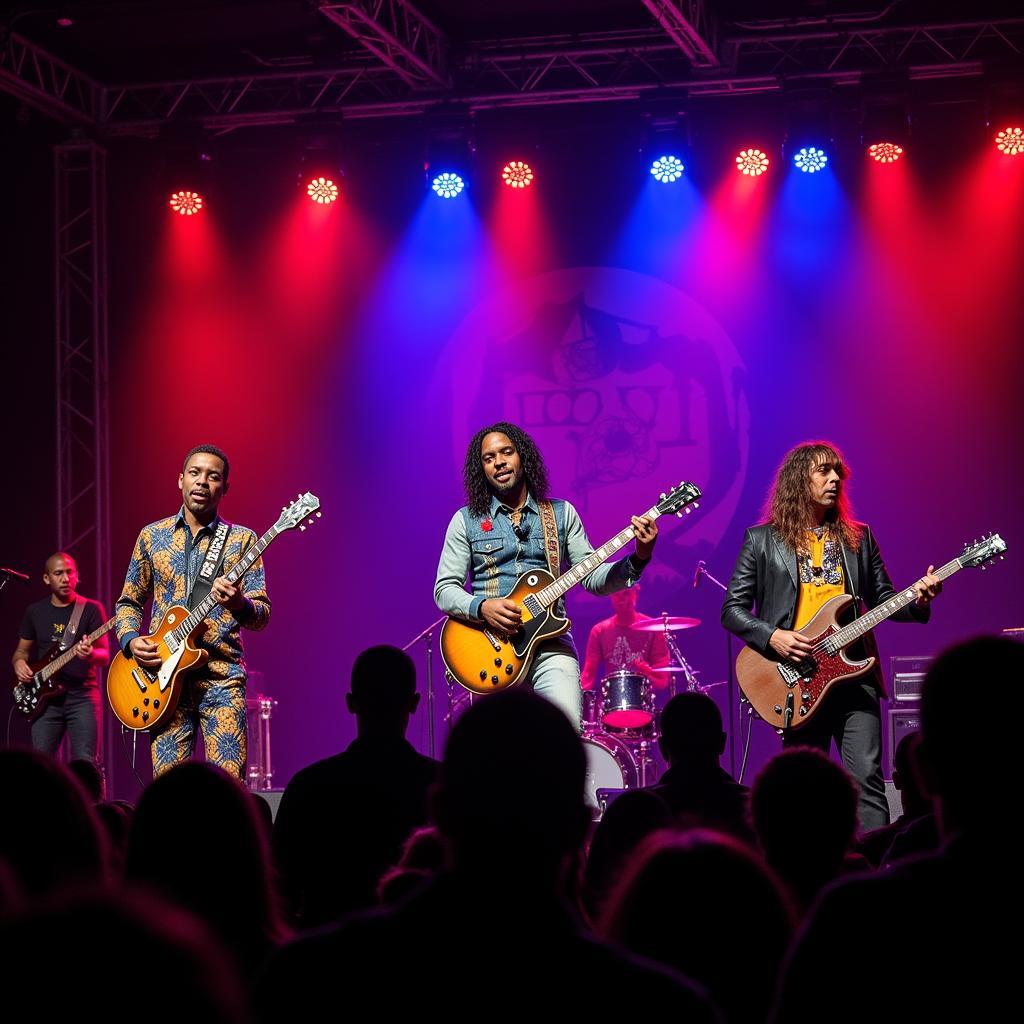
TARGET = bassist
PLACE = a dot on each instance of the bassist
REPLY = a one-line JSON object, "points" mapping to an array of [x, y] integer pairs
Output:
{"points": [[179, 561], [51, 621], [500, 534], [808, 550]]}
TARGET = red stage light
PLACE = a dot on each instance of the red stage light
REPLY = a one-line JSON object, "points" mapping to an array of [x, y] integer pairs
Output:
{"points": [[322, 190], [517, 174], [1010, 141], [186, 203], [752, 162], [885, 152]]}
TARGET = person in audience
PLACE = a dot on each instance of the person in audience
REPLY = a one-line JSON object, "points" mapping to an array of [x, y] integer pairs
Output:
{"points": [[804, 808], [951, 913], [342, 821], [197, 841], [706, 904], [695, 786]]}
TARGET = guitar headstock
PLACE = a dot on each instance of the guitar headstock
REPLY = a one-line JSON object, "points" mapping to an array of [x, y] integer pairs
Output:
{"points": [[303, 507], [681, 499], [982, 552]]}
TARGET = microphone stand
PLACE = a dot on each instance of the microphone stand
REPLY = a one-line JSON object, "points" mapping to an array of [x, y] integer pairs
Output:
{"points": [[427, 636], [731, 677]]}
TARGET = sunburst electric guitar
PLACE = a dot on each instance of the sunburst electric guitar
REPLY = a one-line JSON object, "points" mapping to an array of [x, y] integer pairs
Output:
{"points": [[484, 661], [787, 694], [143, 698]]}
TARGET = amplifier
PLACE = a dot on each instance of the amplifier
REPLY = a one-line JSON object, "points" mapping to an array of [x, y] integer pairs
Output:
{"points": [[907, 675], [903, 719]]}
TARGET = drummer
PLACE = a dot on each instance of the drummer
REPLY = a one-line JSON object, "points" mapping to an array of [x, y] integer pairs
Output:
{"points": [[618, 647]]}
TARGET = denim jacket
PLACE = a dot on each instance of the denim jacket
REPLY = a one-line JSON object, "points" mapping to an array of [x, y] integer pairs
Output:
{"points": [[492, 560]]}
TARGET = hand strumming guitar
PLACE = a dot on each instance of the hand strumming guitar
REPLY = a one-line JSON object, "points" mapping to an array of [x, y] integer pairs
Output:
{"points": [[502, 614]]}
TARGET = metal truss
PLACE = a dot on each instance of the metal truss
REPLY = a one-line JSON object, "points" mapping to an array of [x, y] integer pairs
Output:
{"points": [[690, 26], [397, 34], [944, 50], [528, 72], [82, 366], [45, 82]]}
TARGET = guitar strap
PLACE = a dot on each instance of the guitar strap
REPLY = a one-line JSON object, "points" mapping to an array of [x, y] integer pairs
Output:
{"points": [[547, 519], [68, 639], [210, 569]]}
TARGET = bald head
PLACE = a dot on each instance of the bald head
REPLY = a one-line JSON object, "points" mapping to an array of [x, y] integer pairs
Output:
{"points": [[61, 575]]}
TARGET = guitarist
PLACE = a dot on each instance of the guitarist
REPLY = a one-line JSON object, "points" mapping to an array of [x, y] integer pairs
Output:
{"points": [[171, 560], [46, 623], [499, 535], [809, 549]]}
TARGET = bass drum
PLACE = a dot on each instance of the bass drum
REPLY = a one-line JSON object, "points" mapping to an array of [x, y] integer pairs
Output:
{"points": [[610, 766]]}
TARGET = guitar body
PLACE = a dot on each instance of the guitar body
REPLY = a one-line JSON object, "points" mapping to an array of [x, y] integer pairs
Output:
{"points": [[32, 698], [144, 698], [482, 661], [775, 687]]}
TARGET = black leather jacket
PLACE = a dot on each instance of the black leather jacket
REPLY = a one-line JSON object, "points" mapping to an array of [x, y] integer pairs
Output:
{"points": [[765, 579]]}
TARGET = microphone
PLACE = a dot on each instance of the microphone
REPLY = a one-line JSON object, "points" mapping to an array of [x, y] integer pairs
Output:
{"points": [[519, 531], [698, 572], [13, 574]]}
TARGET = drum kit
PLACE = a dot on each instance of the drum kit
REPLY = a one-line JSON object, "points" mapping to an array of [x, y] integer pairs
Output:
{"points": [[619, 718]]}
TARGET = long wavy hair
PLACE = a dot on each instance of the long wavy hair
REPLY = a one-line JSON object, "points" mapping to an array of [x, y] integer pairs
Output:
{"points": [[478, 494], [789, 507]]}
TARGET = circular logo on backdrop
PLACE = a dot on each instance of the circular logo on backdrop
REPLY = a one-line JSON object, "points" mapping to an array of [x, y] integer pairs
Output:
{"points": [[627, 385]]}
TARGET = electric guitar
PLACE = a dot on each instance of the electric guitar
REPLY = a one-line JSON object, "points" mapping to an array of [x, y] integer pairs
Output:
{"points": [[787, 694], [143, 698], [483, 661], [31, 698]]}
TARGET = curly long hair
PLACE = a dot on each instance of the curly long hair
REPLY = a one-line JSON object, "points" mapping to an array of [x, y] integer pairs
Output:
{"points": [[789, 507], [478, 494]]}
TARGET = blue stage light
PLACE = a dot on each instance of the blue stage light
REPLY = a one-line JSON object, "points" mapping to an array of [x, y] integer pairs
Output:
{"points": [[667, 168], [809, 159], [448, 185]]}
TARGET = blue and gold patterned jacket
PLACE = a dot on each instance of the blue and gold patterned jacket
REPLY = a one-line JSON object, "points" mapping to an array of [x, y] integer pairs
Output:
{"points": [[158, 571]]}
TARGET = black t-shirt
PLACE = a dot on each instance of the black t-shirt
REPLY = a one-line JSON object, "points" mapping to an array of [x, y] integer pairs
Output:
{"points": [[44, 624]]}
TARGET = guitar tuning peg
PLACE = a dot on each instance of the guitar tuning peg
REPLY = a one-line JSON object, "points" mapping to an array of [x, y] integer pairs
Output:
{"points": [[689, 510], [318, 515], [302, 529], [696, 504], [984, 567], [662, 495], [679, 515]]}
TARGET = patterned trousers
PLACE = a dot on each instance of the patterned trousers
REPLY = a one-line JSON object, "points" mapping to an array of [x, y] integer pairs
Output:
{"points": [[218, 709]]}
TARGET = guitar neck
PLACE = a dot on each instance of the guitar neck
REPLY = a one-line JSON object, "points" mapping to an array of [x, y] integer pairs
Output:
{"points": [[866, 622], [60, 662], [581, 570], [240, 568]]}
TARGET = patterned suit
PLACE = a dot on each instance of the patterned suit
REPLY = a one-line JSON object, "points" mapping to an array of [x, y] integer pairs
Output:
{"points": [[214, 695]]}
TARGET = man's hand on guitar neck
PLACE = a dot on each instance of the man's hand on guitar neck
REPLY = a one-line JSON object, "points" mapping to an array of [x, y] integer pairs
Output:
{"points": [[790, 645], [502, 615]]}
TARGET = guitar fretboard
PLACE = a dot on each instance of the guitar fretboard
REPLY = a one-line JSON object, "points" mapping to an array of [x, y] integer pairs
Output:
{"points": [[866, 622], [238, 570], [581, 570], [58, 663]]}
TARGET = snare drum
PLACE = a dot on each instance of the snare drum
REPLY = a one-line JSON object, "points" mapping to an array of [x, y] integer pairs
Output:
{"points": [[610, 765], [627, 701]]}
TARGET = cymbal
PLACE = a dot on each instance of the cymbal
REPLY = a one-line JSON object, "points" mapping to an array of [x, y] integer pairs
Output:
{"points": [[671, 622], [668, 669]]}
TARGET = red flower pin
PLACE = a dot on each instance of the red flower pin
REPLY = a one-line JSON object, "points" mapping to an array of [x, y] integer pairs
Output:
{"points": [[486, 525]]}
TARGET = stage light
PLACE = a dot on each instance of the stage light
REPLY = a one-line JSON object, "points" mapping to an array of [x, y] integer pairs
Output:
{"points": [[885, 152], [186, 203], [752, 162], [322, 190], [809, 159], [517, 174], [667, 169], [448, 185], [1010, 141]]}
